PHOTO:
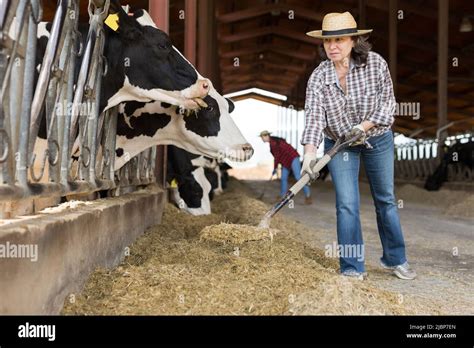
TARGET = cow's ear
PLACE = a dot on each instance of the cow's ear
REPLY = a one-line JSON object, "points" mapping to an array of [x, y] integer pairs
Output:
{"points": [[115, 6], [231, 105], [128, 28]]}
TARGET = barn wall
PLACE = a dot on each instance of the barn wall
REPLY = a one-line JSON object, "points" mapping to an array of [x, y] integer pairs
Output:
{"points": [[70, 245]]}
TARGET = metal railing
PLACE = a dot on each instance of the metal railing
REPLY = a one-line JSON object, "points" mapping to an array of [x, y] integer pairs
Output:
{"points": [[69, 106], [418, 159]]}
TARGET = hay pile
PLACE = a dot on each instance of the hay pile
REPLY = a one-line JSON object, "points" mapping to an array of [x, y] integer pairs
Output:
{"points": [[235, 234], [194, 265], [459, 203]]}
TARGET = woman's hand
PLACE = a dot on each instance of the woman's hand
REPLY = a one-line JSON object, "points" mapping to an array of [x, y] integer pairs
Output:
{"points": [[309, 160]]}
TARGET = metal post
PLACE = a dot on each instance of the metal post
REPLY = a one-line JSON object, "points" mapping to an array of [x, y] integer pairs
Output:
{"points": [[392, 42], [443, 18]]}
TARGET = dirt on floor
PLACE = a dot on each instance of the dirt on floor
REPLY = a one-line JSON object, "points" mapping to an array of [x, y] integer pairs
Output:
{"points": [[203, 265], [439, 235]]}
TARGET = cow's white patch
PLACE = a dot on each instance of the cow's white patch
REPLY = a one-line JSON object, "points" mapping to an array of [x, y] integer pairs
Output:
{"points": [[130, 92], [229, 139], [42, 31], [205, 208]]}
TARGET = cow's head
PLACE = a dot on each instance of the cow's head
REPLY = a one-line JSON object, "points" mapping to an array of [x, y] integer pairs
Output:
{"points": [[145, 66], [209, 131], [191, 192]]}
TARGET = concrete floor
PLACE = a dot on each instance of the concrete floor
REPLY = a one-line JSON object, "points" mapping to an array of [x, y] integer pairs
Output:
{"points": [[430, 236]]}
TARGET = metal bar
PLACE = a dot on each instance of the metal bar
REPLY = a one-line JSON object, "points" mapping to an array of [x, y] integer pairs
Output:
{"points": [[45, 73], [443, 22], [393, 40], [28, 80]]}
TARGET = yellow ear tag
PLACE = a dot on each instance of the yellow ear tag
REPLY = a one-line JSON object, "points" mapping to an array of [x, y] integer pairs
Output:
{"points": [[174, 183], [112, 21]]}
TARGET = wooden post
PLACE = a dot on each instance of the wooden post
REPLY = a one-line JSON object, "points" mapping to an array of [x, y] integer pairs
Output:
{"points": [[392, 42], [361, 24], [159, 11], [443, 13], [190, 19], [207, 64]]}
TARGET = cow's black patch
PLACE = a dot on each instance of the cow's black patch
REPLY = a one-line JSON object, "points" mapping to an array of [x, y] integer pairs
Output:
{"points": [[132, 106], [165, 105], [145, 124], [119, 152], [180, 168], [206, 121], [146, 56], [231, 105]]}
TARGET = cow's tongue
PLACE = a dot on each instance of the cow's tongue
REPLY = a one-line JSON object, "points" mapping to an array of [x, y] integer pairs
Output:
{"points": [[200, 102]]}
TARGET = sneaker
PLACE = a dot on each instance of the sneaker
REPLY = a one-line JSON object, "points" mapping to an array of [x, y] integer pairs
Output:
{"points": [[403, 271], [385, 266], [353, 274], [308, 200]]}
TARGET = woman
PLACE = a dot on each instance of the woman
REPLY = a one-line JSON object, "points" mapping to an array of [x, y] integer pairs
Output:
{"points": [[351, 93], [284, 154]]}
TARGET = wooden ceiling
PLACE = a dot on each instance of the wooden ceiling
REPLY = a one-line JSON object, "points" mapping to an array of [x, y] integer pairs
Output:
{"points": [[268, 39]]}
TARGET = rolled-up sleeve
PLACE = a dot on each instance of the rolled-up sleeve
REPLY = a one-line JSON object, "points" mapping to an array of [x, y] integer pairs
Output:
{"points": [[383, 114], [315, 118]]}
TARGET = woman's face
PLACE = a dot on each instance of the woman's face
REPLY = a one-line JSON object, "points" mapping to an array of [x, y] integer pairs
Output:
{"points": [[338, 48]]}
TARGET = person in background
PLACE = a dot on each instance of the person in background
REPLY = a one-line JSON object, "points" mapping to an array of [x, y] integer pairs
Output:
{"points": [[284, 154]]}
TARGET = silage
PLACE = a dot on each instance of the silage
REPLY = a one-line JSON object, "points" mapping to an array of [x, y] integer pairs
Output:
{"points": [[189, 265]]}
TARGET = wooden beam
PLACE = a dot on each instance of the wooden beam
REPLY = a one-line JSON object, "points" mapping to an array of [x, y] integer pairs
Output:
{"points": [[257, 75], [260, 97], [269, 30], [257, 11], [248, 13]]}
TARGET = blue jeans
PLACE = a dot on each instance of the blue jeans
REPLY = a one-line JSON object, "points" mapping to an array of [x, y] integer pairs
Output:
{"points": [[378, 163], [285, 172]]}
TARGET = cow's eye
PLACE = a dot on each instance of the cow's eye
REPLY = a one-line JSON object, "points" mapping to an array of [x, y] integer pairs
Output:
{"points": [[162, 46], [209, 108]]}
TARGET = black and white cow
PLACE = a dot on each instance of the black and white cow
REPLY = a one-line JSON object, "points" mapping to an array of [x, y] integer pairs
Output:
{"points": [[462, 153], [209, 131], [145, 121], [193, 192], [142, 66], [214, 171]]}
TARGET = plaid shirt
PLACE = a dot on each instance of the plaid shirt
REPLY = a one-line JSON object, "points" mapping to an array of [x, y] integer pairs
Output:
{"points": [[282, 152], [369, 97]]}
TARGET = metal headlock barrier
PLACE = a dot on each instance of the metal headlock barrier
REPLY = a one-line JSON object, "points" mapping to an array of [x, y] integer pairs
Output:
{"points": [[76, 125], [418, 159]]}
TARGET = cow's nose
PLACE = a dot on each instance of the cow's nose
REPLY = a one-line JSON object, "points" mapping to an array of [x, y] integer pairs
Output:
{"points": [[204, 87]]}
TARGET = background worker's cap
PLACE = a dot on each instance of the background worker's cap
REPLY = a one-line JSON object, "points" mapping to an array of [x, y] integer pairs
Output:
{"points": [[265, 132]]}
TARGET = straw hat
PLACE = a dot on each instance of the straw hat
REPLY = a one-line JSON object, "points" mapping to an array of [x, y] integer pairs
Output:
{"points": [[263, 133], [337, 25]]}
